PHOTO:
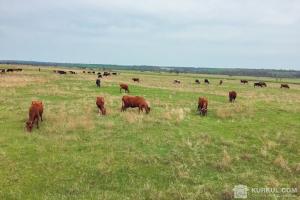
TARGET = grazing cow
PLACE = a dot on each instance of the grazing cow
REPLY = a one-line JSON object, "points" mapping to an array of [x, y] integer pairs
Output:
{"points": [[176, 81], [197, 81], [285, 86], [260, 84], [114, 73], [39, 69], [135, 102], [61, 72], [232, 96], [99, 73], [202, 106], [244, 81], [206, 81], [18, 70], [106, 74], [124, 86], [72, 72], [98, 82], [221, 82], [9, 70], [35, 114], [83, 72], [99, 76], [136, 80], [2, 71], [100, 105], [89, 72], [93, 72]]}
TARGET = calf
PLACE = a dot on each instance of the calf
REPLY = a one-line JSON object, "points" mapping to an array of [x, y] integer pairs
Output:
{"points": [[232, 96], [285, 86], [206, 81], [136, 80], [35, 114], [98, 82], [135, 102], [124, 86], [100, 105], [202, 106]]}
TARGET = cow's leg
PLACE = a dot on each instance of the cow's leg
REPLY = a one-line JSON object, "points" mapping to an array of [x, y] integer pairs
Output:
{"points": [[41, 115], [37, 122]]}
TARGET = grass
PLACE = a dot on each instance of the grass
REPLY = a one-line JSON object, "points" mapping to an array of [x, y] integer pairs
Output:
{"points": [[172, 153]]}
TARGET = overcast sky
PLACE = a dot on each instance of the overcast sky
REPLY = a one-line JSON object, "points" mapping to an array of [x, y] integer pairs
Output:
{"points": [[200, 33]]}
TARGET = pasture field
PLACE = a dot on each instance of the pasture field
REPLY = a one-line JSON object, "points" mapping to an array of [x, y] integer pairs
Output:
{"points": [[171, 153]]}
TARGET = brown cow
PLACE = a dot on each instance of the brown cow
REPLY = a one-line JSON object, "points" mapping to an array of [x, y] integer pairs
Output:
{"points": [[285, 86], [135, 102], [176, 81], [221, 82], [100, 105], [202, 106], [35, 114], [40, 105], [124, 86], [232, 96], [136, 80]]}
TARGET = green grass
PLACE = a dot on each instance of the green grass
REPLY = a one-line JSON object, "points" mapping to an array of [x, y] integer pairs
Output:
{"points": [[172, 153]]}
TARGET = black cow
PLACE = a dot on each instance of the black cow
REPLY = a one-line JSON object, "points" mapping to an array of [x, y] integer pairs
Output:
{"points": [[98, 82], [197, 81], [206, 81]]}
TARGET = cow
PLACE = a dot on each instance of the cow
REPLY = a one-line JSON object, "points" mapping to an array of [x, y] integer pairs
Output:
{"points": [[100, 105], [99, 73], [197, 81], [39, 69], [9, 70], [206, 81], [72, 72], [136, 80], [232, 96], [106, 74], [89, 72], [99, 76], [124, 86], [61, 72], [260, 84], [221, 82], [2, 71], [114, 73], [285, 86], [244, 81], [93, 72], [176, 81], [35, 114], [83, 72], [18, 70], [202, 106], [135, 102], [54, 71], [98, 82]]}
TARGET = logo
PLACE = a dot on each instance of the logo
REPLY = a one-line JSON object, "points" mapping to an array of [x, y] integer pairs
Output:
{"points": [[240, 191]]}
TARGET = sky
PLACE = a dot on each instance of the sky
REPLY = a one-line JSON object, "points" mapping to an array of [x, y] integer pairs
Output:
{"points": [[191, 33]]}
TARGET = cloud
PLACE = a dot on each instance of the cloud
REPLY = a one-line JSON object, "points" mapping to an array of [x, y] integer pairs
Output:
{"points": [[153, 31]]}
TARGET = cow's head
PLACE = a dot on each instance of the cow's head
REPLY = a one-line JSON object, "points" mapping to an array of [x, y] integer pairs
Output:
{"points": [[29, 125]]}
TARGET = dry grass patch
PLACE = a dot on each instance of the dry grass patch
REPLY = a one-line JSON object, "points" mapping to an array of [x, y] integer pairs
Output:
{"points": [[225, 163], [19, 80], [233, 110], [282, 163], [176, 114]]}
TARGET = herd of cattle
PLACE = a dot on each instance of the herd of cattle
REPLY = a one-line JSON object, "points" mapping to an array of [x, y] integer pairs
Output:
{"points": [[36, 109]]}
